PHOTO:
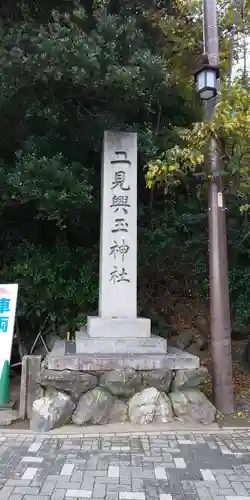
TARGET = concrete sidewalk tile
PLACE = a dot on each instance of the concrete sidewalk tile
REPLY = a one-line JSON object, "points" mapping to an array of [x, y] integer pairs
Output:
{"points": [[48, 487], [239, 488], [207, 475], [78, 494], [5, 492], [18, 482], [30, 473], [222, 481], [67, 485], [237, 498], [30, 460], [131, 495], [34, 447], [160, 473], [99, 490], [180, 463], [113, 471], [58, 495], [26, 491], [67, 469]]}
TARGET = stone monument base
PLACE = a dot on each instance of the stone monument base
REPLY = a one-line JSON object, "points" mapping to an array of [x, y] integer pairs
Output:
{"points": [[98, 327], [140, 388], [127, 345], [174, 359]]}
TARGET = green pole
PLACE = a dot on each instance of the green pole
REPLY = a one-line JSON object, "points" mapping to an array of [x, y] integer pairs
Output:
{"points": [[5, 384]]}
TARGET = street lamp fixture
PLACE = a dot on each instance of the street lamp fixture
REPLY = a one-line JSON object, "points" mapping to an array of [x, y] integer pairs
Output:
{"points": [[206, 81]]}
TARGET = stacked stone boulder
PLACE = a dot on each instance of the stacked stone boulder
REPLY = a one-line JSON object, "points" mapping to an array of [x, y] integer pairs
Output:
{"points": [[118, 396]]}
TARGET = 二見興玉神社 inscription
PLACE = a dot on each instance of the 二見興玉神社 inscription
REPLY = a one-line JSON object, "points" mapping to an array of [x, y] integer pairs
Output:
{"points": [[120, 249], [118, 256]]}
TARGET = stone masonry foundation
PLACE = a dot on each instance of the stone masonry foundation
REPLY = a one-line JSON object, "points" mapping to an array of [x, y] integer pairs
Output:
{"points": [[85, 389]]}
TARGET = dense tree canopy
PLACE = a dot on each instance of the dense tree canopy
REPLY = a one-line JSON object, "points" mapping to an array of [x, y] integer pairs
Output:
{"points": [[69, 71]]}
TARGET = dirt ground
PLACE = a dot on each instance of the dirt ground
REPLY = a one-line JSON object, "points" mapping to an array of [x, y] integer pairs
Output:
{"points": [[241, 386], [15, 381]]}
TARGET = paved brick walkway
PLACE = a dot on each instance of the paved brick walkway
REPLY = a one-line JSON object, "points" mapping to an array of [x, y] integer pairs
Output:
{"points": [[125, 466]]}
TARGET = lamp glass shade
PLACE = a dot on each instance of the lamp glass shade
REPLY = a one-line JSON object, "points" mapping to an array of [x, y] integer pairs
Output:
{"points": [[206, 83]]}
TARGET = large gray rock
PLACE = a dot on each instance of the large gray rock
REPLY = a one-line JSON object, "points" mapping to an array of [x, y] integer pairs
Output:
{"points": [[185, 379], [50, 392], [118, 412], [185, 339], [51, 412], [202, 325], [150, 405], [99, 407], [190, 405], [160, 379], [163, 412], [201, 341], [50, 339], [71, 382], [124, 383], [45, 362]]}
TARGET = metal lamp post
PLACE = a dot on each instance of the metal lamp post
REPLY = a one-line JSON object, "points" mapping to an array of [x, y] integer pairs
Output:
{"points": [[207, 86]]}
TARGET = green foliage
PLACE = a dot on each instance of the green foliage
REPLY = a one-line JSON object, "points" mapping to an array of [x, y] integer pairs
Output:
{"points": [[58, 282], [67, 75], [53, 189], [43, 201], [230, 128], [69, 71]]}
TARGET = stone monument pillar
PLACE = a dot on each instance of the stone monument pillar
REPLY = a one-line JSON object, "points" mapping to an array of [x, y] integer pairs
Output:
{"points": [[118, 244], [116, 357], [117, 338]]}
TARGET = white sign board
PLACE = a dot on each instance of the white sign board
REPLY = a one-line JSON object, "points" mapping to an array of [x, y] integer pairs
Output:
{"points": [[8, 300]]}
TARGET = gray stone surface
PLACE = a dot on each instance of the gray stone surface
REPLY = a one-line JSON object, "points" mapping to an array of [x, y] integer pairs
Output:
{"points": [[44, 364], [148, 406], [51, 412], [201, 341], [150, 345], [173, 360], [161, 465], [115, 327], [71, 382], [99, 407], [50, 339], [7, 417], [122, 383], [118, 269], [202, 325], [192, 405], [163, 412], [184, 339], [50, 392], [118, 412], [161, 379], [31, 366], [189, 378], [93, 407]]}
